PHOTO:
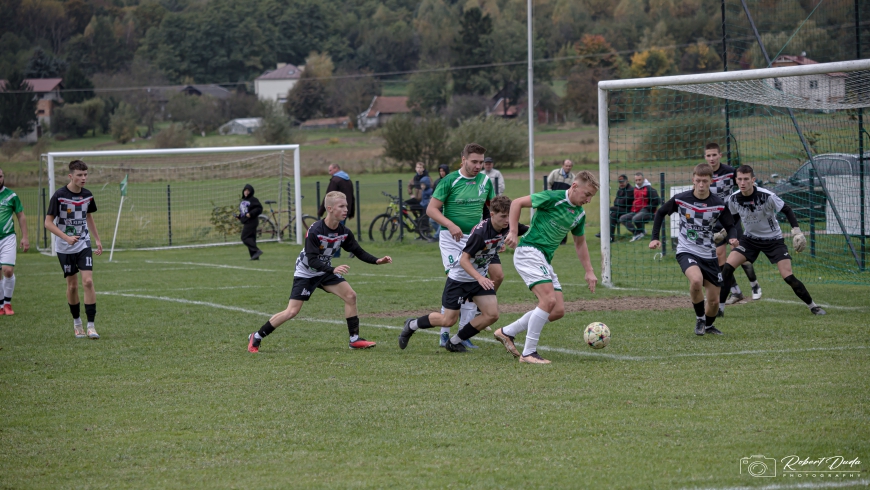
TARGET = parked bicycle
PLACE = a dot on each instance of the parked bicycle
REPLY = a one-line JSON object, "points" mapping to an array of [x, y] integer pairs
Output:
{"points": [[268, 227], [385, 226]]}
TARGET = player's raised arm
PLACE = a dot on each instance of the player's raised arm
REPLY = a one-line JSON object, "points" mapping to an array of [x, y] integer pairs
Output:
{"points": [[353, 246], [514, 219]]}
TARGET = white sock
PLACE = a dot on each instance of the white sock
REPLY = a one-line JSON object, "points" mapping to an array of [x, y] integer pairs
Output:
{"points": [[466, 312], [536, 324], [445, 330], [721, 307], [753, 284], [455, 340], [812, 305], [90, 324], [257, 336], [3, 289], [735, 289], [77, 321], [9, 286], [518, 326], [413, 325], [354, 338]]}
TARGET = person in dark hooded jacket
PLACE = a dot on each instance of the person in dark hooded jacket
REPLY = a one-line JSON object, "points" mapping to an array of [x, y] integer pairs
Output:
{"points": [[340, 182], [250, 210]]}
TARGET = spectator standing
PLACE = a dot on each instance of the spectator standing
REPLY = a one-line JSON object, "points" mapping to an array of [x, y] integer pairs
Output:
{"points": [[339, 182], [494, 175], [443, 170], [643, 207], [250, 210], [621, 205], [562, 177]]}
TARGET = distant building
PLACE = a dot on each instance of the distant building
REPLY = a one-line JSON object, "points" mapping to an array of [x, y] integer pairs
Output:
{"points": [[500, 110], [826, 87], [241, 126], [381, 110], [327, 123], [275, 84], [163, 94], [46, 91]]}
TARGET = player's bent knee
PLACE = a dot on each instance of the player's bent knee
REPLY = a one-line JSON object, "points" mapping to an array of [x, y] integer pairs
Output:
{"points": [[87, 282], [350, 297]]}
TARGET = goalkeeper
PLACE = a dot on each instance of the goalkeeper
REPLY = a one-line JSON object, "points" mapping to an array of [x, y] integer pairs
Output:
{"points": [[757, 209]]}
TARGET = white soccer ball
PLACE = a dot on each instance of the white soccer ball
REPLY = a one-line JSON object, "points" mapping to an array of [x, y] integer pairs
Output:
{"points": [[597, 335]]}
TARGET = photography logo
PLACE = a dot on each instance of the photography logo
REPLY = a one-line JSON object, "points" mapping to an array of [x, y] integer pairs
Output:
{"points": [[758, 466]]}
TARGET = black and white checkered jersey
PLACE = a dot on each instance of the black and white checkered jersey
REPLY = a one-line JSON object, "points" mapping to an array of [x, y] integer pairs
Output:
{"points": [[482, 245], [321, 243], [70, 211], [724, 181], [757, 212], [697, 219]]}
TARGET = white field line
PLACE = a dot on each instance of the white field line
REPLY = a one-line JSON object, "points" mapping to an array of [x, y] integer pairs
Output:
{"points": [[772, 300], [485, 339], [103, 271], [796, 485], [204, 288]]}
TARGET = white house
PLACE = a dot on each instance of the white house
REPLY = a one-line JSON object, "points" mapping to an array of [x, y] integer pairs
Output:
{"points": [[241, 126], [827, 87], [274, 85]]}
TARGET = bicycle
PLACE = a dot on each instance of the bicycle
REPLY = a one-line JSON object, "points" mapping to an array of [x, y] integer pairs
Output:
{"points": [[385, 226], [268, 229]]}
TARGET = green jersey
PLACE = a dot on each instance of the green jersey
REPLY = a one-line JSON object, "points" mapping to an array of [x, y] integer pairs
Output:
{"points": [[464, 198], [554, 217], [10, 204]]}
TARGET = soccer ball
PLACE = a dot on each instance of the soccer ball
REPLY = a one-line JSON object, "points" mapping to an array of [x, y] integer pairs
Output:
{"points": [[597, 335]]}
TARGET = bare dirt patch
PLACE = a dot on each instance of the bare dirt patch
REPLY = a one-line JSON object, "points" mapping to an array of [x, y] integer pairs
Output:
{"points": [[624, 303]]}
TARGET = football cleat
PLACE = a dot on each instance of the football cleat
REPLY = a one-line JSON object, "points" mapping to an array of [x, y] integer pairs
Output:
{"points": [[253, 343], [406, 333], [756, 293], [92, 333], [817, 310], [80, 332], [7, 309], [637, 237], [534, 358], [469, 345], [451, 347], [735, 298], [713, 330], [720, 313], [443, 339], [700, 326], [362, 343], [507, 341], [2, 311]]}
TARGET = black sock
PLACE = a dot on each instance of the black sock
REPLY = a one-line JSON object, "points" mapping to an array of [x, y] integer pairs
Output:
{"points": [[91, 312], [423, 322], [467, 332], [265, 330], [749, 269], [727, 280], [699, 309], [799, 289], [7, 300], [353, 325], [75, 310], [710, 320]]}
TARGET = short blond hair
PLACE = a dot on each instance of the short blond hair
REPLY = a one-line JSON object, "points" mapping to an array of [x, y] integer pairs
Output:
{"points": [[586, 177], [329, 200]]}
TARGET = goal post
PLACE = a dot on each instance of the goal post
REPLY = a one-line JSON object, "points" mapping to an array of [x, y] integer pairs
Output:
{"points": [[787, 122], [183, 197]]}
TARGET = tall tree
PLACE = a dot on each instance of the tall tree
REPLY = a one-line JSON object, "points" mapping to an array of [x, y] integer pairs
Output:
{"points": [[429, 92], [306, 99], [44, 65], [17, 106], [472, 47], [79, 87]]}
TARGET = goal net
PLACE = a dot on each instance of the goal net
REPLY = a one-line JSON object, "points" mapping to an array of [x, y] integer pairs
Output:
{"points": [[180, 197], [800, 127]]}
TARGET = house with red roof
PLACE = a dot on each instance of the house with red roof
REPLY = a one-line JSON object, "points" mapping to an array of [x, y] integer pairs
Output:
{"points": [[275, 84], [826, 87], [381, 110], [46, 91]]}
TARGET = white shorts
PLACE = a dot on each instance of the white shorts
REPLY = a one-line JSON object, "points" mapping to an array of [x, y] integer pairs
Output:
{"points": [[451, 250], [533, 268], [8, 249]]}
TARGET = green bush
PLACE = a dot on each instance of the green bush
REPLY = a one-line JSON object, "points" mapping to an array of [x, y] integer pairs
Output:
{"points": [[123, 123], [505, 140], [276, 128], [408, 140], [173, 136], [680, 137]]}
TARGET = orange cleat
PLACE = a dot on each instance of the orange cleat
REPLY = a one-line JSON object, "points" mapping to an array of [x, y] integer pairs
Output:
{"points": [[253, 344], [7, 309], [362, 343]]}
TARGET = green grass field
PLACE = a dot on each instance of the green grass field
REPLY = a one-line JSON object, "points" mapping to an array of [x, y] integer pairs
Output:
{"points": [[170, 398]]}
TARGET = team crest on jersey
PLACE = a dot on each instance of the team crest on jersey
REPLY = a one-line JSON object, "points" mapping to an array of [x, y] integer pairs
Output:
{"points": [[481, 189], [70, 210]]}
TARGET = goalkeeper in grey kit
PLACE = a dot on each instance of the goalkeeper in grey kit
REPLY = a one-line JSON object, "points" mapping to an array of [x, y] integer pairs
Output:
{"points": [[757, 209]]}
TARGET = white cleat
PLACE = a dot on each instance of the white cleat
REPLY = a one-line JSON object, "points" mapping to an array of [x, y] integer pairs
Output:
{"points": [[756, 293]]}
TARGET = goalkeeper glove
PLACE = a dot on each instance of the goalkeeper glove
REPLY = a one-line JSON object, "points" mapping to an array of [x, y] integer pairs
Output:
{"points": [[720, 236], [798, 239]]}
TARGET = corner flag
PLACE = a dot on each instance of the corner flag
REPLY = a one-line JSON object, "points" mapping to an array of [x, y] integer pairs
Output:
{"points": [[124, 186], [118, 220]]}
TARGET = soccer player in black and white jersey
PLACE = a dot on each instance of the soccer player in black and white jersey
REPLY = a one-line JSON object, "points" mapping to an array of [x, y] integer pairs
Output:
{"points": [[469, 281], [73, 206], [314, 270], [722, 186], [700, 211], [757, 209]]}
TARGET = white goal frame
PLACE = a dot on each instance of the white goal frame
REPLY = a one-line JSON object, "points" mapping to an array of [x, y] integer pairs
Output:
{"points": [[633, 83], [297, 170]]}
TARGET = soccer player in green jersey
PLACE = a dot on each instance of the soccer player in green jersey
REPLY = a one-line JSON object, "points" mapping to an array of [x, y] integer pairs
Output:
{"points": [[556, 214], [457, 205], [10, 204]]}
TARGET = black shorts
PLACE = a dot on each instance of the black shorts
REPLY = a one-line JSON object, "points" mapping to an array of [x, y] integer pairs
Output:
{"points": [[83, 260], [775, 249], [495, 260], [455, 293], [304, 286], [709, 267]]}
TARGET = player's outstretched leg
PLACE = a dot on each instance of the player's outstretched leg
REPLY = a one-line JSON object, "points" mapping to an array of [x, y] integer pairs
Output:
{"points": [[798, 287], [348, 295], [277, 319], [72, 298], [466, 313], [445, 320], [488, 305]]}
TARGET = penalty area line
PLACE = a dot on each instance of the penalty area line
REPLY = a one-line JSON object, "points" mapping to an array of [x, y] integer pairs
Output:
{"points": [[763, 299], [560, 350]]}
